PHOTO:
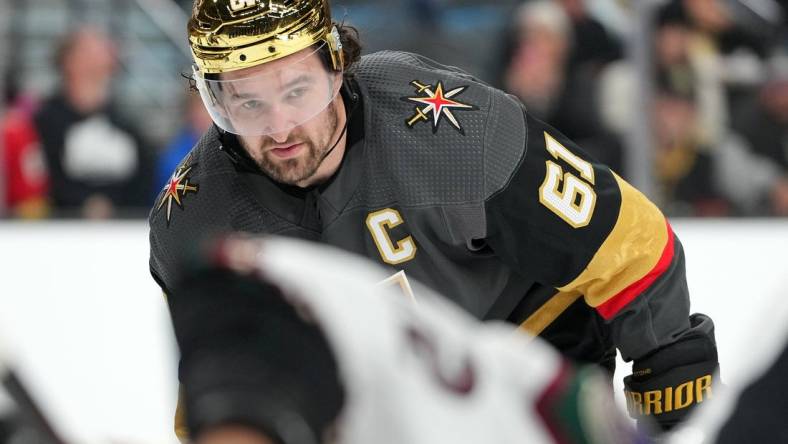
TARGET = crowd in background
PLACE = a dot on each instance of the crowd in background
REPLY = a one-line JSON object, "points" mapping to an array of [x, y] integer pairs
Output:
{"points": [[718, 112], [718, 118]]}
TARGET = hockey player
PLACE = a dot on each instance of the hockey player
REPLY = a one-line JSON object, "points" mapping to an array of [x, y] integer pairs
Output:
{"points": [[271, 357], [433, 173]]}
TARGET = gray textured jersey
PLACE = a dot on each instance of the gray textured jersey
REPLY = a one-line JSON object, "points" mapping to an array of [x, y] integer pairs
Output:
{"points": [[452, 182]]}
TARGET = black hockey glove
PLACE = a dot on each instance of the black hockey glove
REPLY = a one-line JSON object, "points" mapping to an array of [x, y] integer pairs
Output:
{"points": [[249, 357], [666, 385]]}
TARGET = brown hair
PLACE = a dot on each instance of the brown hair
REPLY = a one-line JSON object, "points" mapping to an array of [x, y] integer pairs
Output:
{"points": [[351, 44], [351, 49]]}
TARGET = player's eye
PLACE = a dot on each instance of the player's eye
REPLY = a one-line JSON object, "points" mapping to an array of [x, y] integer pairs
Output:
{"points": [[252, 105], [296, 93]]}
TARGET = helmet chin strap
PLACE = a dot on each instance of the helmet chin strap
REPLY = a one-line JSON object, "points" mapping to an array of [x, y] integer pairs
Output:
{"points": [[344, 130], [354, 98]]}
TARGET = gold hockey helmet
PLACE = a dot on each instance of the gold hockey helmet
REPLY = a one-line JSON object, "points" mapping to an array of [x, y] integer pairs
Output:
{"points": [[227, 35], [259, 64]]}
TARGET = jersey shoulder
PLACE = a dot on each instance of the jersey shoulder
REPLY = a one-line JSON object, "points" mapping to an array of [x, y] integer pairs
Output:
{"points": [[442, 135], [204, 197], [184, 192]]}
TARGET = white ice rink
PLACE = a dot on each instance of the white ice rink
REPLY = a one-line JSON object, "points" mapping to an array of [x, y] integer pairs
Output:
{"points": [[89, 331]]}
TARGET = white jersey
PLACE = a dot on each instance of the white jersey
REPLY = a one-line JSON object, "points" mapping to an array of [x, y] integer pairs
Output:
{"points": [[422, 371]]}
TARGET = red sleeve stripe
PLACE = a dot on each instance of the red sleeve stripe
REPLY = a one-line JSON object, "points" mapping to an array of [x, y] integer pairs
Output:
{"points": [[612, 306]]}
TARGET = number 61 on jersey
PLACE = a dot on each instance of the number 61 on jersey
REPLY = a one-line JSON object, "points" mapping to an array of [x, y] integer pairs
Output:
{"points": [[574, 202]]}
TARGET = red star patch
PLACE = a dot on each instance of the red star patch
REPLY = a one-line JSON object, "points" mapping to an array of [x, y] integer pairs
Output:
{"points": [[175, 189], [435, 104]]}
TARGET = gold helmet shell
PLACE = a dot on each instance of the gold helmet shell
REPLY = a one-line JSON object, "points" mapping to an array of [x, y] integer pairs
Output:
{"points": [[228, 35]]}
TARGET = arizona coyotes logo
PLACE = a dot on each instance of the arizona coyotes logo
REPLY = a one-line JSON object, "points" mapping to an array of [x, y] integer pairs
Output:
{"points": [[176, 188], [433, 104]]}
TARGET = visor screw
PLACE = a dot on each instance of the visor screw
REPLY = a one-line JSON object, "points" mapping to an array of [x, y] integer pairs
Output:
{"points": [[243, 57], [271, 49]]}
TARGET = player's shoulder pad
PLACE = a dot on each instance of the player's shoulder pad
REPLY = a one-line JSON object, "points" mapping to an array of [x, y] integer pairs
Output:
{"points": [[190, 205], [184, 192], [443, 134]]}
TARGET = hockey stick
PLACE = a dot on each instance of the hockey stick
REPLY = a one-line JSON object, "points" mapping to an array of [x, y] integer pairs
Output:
{"points": [[25, 403]]}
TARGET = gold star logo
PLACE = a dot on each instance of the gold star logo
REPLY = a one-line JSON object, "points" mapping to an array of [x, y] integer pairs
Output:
{"points": [[175, 189], [434, 104]]}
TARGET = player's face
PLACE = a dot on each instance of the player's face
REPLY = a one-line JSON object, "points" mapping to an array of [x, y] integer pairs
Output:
{"points": [[295, 156], [286, 113]]}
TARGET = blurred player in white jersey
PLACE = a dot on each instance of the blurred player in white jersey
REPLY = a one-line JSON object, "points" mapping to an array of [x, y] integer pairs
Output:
{"points": [[293, 343], [754, 406]]}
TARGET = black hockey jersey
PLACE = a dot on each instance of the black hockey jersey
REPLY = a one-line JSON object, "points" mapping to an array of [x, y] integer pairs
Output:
{"points": [[454, 183]]}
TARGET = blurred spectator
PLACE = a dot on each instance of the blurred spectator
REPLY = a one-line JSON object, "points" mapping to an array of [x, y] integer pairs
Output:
{"points": [[24, 171], [538, 71], [695, 179], [735, 25], [672, 36], [682, 51], [684, 168], [701, 167], [197, 122], [726, 43], [96, 162], [763, 121], [552, 63], [592, 44]]}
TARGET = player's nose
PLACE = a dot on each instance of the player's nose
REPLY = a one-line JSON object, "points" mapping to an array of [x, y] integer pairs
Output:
{"points": [[280, 136], [279, 126]]}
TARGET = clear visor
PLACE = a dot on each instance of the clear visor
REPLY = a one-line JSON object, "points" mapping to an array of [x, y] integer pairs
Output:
{"points": [[270, 98]]}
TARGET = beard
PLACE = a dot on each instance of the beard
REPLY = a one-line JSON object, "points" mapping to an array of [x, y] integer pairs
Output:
{"points": [[315, 148]]}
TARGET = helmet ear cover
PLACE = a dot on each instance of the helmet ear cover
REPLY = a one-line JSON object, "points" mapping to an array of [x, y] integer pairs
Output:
{"points": [[335, 49]]}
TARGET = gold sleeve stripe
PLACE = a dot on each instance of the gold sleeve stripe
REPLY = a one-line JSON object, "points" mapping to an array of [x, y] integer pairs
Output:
{"points": [[181, 430], [613, 305], [631, 251], [547, 313]]}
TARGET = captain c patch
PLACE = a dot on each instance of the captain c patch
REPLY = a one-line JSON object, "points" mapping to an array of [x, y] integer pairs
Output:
{"points": [[433, 104]]}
